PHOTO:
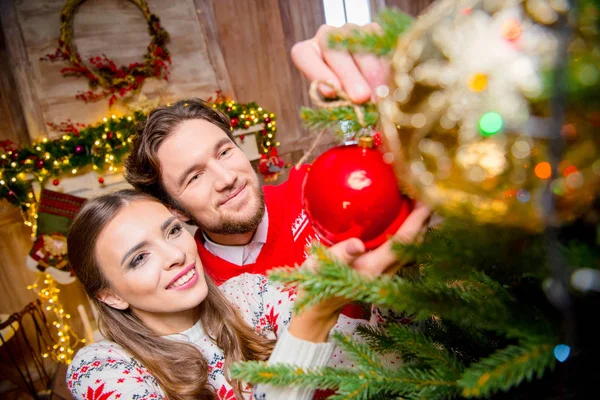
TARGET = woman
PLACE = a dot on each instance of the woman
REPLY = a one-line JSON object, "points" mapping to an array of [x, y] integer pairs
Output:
{"points": [[170, 332]]}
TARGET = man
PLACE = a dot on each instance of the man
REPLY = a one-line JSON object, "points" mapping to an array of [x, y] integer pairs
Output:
{"points": [[186, 157]]}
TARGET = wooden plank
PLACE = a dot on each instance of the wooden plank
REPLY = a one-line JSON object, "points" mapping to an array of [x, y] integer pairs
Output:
{"points": [[412, 7], [20, 65], [254, 48], [300, 20], [206, 17], [12, 123]]}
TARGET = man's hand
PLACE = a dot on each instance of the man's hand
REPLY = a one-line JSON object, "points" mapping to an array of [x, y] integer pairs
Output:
{"points": [[358, 74]]}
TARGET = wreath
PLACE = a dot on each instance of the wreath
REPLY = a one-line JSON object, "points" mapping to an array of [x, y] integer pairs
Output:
{"points": [[114, 81]]}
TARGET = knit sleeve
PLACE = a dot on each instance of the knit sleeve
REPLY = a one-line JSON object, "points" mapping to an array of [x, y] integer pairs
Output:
{"points": [[103, 370], [265, 305], [302, 353]]}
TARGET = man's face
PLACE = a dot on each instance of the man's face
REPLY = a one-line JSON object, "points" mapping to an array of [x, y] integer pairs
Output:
{"points": [[211, 178]]}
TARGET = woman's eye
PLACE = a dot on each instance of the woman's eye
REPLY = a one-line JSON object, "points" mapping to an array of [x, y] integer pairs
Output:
{"points": [[138, 260], [175, 231]]}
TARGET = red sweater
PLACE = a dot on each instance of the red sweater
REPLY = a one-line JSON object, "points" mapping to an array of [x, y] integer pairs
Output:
{"points": [[289, 233]]}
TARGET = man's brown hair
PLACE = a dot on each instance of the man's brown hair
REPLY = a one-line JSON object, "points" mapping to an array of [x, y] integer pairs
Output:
{"points": [[142, 167]]}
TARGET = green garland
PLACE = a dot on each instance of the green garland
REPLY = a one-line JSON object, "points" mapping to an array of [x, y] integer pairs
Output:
{"points": [[114, 81], [100, 147]]}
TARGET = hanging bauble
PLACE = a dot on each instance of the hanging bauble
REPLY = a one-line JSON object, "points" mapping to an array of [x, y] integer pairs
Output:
{"points": [[79, 149], [350, 191], [39, 164], [234, 122], [101, 180], [55, 182], [468, 114]]}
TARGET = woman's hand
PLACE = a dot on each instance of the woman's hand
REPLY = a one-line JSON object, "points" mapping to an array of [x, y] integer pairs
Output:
{"points": [[314, 323]]}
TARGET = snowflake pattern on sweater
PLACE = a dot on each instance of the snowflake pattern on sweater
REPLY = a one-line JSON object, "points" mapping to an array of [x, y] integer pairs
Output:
{"points": [[104, 370]]}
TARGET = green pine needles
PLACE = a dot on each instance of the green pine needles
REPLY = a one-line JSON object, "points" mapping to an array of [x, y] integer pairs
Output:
{"points": [[468, 318]]}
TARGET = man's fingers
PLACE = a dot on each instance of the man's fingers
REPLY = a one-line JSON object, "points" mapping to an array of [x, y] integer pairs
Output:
{"points": [[373, 69], [353, 82], [309, 60]]}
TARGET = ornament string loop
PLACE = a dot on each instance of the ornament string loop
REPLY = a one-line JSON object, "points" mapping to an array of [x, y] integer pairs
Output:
{"points": [[344, 101]]}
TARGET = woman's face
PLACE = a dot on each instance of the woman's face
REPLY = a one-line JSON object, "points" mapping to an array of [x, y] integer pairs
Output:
{"points": [[152, 265]]}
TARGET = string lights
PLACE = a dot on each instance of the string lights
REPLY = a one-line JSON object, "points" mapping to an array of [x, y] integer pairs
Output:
{"points": [[67, 340]]}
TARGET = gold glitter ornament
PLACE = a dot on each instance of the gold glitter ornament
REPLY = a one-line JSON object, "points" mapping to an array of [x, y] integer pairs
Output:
{"points": [[467, 115]]}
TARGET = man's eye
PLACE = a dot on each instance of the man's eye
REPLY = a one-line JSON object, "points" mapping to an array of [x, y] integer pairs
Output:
{"points": [[225, 152], [193, 178]]}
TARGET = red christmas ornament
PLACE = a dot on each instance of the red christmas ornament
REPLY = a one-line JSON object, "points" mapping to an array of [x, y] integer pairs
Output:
{"points": [[101, 180], [234, 122], [351, 192], [55, 182], [39, 164]]}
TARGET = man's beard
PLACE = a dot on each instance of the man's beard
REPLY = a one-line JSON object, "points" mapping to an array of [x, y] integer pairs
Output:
{"points": [[229, 226]]}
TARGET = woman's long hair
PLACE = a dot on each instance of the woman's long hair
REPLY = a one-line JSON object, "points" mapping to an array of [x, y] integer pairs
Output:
{"points": [[179, 368]]}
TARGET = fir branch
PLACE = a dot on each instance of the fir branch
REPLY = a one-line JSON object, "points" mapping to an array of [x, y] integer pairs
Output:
{"points": [[322, 118], [280, 374], [361, 354], [378, 338], [416, 345], [420, 298], [393, 23], [503, 253], [507, 368]]}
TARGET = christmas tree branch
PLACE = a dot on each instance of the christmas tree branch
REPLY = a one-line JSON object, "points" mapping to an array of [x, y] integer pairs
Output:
{"points": [[393, 23], [411, 344], [322, 118], [506, 368], [421, 298], [360, 353], [280, 374]]}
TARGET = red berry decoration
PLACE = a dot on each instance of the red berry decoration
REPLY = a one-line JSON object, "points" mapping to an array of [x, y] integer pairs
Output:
{"points": [[101, 180], [55, 182], [350, 191]]}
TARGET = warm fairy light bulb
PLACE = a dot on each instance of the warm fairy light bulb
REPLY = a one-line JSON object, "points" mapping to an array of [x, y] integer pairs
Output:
{"points": [[105, 119]]}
